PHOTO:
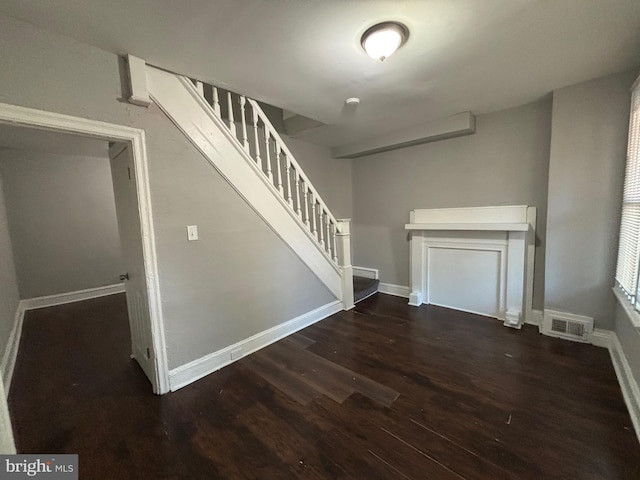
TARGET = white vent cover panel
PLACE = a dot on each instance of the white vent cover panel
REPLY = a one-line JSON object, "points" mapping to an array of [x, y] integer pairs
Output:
{"points": [[566, 325]]}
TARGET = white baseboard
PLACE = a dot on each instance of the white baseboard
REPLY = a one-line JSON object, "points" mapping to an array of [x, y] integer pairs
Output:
{"points": [[602, 338], [11, 352], [535, 318], [195, 370], [397, 290], [70, 297], [365, 272], [628, 384]]}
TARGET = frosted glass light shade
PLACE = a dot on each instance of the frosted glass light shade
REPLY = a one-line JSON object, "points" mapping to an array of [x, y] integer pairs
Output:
{"points": [[383, 39]]}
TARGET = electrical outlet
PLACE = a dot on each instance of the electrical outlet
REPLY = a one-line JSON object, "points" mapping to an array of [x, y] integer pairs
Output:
{"points": [[237, 353]]}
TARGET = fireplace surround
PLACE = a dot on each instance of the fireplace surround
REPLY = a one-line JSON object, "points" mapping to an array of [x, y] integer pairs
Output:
{"points": [[477, 259]]}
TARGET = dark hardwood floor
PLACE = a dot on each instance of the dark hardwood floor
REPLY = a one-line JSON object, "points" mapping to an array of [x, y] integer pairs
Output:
{"points": [[383, 391]]}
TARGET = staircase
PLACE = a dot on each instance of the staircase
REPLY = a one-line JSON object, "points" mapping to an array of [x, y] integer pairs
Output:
{"points": [[238, 139]]}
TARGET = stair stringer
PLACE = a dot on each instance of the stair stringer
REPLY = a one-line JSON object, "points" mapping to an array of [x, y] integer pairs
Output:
{"points": [[211, 137]]}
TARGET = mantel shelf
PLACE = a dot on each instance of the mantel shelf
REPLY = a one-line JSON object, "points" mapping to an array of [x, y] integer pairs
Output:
{"points": [[499, 227]]}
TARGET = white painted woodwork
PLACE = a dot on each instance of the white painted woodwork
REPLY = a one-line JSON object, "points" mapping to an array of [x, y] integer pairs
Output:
{"points": [[199, 87], [395, 290], [366, 272], [334, 242], [343, 244], [179, 100], [137, 70], [216, 102], [232, 122], [280, 188], [267, 150], [70, 297], [124, 186], [297, 187], [314, 217], [477, 259], [306, 206], [245, 138], [449, 127], [328, 226], [321, 229], [288, 171], [192, 371], [7, 443], [290, 158], [135, 137], [257, 144]]}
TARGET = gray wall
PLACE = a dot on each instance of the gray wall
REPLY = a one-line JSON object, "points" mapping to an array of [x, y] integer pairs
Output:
{"points": [[239, 278], [330, 176], [9, 297], [586, 172], [62, 220], [504, 163]]}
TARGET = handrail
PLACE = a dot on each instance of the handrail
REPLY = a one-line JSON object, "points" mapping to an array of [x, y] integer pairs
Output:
{"points": [[300, 196], [297, 166]]}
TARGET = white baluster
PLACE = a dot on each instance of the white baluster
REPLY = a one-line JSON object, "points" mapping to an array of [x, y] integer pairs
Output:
{"points": [[314, 215], [267, 137], [321, 229], [289, 199], [298, 211], [306, 205], [278, 156], [245, 138], [232, 123], [333, 238], [278, 150], [216, 102], [200, 87], [328, 226], [279, 171], [256, 138]]}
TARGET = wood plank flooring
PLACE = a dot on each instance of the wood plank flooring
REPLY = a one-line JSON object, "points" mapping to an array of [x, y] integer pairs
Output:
{"points": [[383, 391]]}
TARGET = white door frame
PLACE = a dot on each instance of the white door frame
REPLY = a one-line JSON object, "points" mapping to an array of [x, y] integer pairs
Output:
{"points": [[135, 137]]}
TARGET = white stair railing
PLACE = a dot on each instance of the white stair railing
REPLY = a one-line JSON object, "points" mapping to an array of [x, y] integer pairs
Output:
{"points": [[278, 165]]}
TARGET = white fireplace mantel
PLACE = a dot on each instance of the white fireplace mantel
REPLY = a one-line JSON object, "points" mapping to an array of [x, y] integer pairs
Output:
{"points": [[477, 259]]}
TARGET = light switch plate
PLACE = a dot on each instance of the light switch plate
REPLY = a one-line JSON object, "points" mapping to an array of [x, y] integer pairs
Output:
{"points": [[192, 232]]}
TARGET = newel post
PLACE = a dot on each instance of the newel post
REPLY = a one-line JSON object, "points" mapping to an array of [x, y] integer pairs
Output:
{"points": [[343, 244]]}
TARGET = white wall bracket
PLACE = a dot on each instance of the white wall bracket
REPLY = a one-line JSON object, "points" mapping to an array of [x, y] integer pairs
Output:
{"points": [[138, 82]]}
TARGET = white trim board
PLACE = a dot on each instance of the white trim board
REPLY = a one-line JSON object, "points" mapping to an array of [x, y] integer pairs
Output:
{"points": [[628, 385], [11, 352], [535, 318], [190, 372], [365, 272], [70, 297], [135, 137], [395, 290]]}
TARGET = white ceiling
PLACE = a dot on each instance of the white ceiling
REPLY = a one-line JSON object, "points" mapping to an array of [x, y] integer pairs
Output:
{"points": [[305, 56]]}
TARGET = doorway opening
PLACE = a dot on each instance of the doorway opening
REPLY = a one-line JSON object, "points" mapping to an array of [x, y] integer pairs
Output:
{"points": [[135, 224]]}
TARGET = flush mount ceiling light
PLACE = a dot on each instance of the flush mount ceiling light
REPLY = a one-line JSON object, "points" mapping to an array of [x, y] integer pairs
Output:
{"points": [[383, 39]]}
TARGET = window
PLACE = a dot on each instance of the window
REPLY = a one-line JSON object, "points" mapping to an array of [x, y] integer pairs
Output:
{"points": [[629, 248]]}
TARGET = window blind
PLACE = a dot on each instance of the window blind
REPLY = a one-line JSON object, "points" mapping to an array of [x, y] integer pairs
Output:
{"points": [[629, 247]]}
